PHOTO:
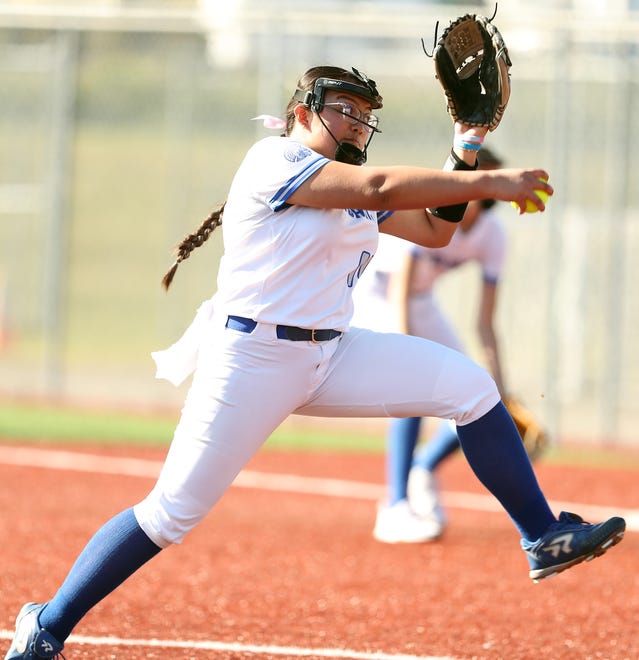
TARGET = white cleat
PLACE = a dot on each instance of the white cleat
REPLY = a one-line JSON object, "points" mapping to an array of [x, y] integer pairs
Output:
{"points": [[399, 524]]}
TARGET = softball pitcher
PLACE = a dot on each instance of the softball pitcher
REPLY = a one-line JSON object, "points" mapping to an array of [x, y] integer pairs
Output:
{"points": [[300, 225]]}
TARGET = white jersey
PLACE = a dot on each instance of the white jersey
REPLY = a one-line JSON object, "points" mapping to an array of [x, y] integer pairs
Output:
{"points": [[286, 264]]}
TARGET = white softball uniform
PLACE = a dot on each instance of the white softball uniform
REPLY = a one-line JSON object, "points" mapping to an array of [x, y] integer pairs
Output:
{"points": [[484, 243], [289, 265]]}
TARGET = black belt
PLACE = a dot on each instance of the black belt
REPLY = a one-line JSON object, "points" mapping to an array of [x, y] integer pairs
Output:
{"points": [[289, 332]]}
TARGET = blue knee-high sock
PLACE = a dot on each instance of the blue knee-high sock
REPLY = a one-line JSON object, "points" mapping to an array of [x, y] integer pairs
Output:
{"points": [[497, 456], [114, 553], [438, 448], [400, 445]]}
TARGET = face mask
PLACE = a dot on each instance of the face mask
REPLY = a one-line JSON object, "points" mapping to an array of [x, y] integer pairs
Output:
{"points": [[350, 154]]}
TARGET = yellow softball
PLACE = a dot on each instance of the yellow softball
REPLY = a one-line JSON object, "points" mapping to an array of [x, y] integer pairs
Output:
{"points": [[530, 206]]}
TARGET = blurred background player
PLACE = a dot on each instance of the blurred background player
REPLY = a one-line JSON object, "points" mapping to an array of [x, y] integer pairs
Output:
{"points": [[396, 294]]}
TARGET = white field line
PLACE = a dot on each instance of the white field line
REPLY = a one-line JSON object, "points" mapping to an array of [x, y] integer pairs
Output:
{"points": [[205, 645], [139, 467]]}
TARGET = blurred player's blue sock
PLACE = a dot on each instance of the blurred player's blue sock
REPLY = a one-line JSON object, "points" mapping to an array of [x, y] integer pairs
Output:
{"points": [[444, 443], [400, 445], [496, 454], [114, 553]]}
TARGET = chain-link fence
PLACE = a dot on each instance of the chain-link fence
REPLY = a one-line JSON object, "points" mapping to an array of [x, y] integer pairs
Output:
{"points": [[121, 125]]}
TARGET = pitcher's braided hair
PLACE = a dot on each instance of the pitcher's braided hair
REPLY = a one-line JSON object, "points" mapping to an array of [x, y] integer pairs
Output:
{"points": [[192, 241]]}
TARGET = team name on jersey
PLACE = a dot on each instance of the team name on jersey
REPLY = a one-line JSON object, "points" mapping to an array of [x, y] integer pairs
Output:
{"points": [[359, 214]]}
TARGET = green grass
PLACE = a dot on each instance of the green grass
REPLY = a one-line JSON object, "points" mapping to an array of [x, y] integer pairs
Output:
{"points": [[51, 424], [55, 424], [593, 456], [43, 423]]}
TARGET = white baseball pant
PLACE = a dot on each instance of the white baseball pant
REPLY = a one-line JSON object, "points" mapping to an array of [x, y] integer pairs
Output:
{"points": [[246, 385]]}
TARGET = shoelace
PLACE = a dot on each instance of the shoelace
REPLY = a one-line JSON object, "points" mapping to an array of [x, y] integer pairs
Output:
{"points": [[577, 520], [565, 517], [568, 517]]}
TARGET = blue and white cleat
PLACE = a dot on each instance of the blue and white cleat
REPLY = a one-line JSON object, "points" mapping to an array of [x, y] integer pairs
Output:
{"points": [[31, 641], [568, 542]]}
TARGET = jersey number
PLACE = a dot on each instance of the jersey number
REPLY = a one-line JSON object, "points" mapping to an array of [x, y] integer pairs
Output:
{"points": [[364, 260]]}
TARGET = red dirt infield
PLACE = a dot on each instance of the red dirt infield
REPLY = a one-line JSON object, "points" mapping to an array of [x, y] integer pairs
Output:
{"points": [[285, 575]]}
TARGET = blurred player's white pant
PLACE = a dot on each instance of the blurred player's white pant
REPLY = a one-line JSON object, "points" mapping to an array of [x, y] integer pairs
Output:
{"points": [[425, 318], [246, 385]]}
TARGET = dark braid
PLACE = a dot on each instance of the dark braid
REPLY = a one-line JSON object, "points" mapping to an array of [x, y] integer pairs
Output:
{"points": [[192, 241]]}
